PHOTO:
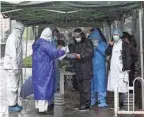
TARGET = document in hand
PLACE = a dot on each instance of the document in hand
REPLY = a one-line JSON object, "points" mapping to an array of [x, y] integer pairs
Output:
{"points": [[66, 49]]}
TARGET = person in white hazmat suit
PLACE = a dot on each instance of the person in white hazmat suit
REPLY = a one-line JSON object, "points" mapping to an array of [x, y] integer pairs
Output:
{"points": [[121, 61], [13, 67]]}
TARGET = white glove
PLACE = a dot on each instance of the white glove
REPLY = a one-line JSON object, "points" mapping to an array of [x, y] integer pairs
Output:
{"points": [[71, 56], [17, 71]]}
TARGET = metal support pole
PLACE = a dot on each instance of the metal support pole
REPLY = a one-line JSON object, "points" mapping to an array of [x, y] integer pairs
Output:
{"points": [[141, 52], [59, 105], [110, 36], [10, 26], [61, 82], [66, 19], [66, 26], [116, 24], [116, 99], [59, 98], [35, 33], [26, 48], [110, 22]]}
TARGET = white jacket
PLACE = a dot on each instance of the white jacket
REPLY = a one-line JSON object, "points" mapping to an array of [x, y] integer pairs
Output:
{"points": [[13, 51]]}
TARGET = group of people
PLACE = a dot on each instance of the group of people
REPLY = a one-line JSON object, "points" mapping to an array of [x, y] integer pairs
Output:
{"points": [[89, 55]]}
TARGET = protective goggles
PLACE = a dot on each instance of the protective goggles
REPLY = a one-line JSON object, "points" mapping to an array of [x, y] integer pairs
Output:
{"points": [[75, 34]]}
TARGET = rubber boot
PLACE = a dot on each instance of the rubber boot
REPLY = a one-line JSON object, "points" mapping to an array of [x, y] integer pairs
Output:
{"points": [[20, 106]]}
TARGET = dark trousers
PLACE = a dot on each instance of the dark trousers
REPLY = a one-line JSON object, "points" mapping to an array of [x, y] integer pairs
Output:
{"points": [[132, 75], [75, 83], [84, 90]]}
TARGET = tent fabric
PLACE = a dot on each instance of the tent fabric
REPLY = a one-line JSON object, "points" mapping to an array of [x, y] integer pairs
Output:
{"points": [[88, 11]]}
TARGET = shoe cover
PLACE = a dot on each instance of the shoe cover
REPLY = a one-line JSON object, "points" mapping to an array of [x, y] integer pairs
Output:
{"points": [[102, 105], [93, 98], [102, 99], [20, 106], [15, 109]]}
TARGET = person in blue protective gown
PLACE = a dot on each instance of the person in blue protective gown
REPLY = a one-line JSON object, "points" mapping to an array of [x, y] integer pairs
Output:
{"points": [[98, 82], [43, 69]]}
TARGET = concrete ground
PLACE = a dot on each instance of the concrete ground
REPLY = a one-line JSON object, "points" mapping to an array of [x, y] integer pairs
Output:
{"points": [[71, 98]]}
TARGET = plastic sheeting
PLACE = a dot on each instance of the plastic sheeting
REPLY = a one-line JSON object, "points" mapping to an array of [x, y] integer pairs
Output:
{"points": [[87, 11]]}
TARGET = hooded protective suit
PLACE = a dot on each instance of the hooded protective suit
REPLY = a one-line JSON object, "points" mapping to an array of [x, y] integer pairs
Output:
{"points": [[43, 69], [98, 82], [13, 63]]}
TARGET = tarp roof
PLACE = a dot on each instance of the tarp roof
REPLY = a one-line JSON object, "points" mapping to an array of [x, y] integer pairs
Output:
{"points": [[75, 13]]}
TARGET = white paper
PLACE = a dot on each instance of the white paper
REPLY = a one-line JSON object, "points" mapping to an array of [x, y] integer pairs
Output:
{"points": [[66, 49]]}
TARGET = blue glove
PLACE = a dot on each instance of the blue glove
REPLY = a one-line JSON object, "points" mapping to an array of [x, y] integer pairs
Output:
{"points": [[71, 56]]}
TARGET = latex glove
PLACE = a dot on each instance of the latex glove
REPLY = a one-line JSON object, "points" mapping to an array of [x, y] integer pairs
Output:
{"points": [[59, 47], [77, 56], [71, 56], [17, 71]]}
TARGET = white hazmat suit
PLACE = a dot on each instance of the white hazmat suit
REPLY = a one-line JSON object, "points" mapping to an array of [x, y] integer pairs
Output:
{"points": [[13, 64]]}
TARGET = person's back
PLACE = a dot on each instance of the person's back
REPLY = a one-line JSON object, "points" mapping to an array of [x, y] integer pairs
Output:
{"points": [[41, 60]]}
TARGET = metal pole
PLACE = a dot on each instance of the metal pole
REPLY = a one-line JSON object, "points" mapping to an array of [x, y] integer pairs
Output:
{"points": [[59, 105], [59, 98], [110, 27], [116, 102], [35, 32], [66, 18], [141, 52], [66, 27], [116, 24], [26, 48]]}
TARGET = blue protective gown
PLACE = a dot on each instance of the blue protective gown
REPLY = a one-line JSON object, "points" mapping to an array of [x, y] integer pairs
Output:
{"points": [[98, 82], [43, 69]]}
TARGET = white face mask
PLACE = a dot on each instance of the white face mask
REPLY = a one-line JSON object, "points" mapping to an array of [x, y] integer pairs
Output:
{"points": [[78, 39], [116, 38], [95, 43]]}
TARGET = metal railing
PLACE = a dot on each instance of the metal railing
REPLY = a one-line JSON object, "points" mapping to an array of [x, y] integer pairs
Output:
{"points": [[117, 110]]}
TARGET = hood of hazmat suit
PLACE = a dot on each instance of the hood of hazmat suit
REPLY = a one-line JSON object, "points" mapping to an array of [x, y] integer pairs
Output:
{"points": [[46, 34], [98, 82], [13, 51], [43, 66], [95, 35]]}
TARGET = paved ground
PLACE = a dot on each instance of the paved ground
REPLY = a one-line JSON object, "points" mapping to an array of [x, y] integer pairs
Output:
{"points": [[71, 98]]}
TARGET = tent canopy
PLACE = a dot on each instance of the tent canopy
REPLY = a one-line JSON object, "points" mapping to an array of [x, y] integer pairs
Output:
{"points": [[68, 13]]}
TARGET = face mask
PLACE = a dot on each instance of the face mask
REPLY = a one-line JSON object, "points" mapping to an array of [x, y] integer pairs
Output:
{"points": [[116, 38], [78, 39], [95, 43]]}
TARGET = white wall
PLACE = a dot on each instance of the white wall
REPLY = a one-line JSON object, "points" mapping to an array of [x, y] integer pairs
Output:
{"points": [[5, 25]]}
